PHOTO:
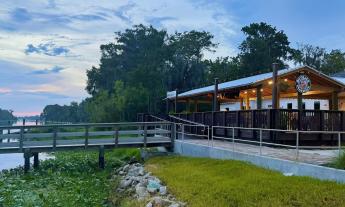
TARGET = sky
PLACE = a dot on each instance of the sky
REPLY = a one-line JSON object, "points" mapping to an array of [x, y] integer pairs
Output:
{"points": [[46, 46]]}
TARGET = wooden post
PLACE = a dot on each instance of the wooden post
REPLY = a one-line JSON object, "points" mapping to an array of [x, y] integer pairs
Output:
{"points": [[258, 97], [23, 122], [1, 132], [241, 103], [275, 86], [21, 139], [299, 101], [26, 160], [335, 100], [247, 102], [167, 105], [215, 95], [36, 122], [145, 135], [36, 160], [117, 136], [176, 97], [54, 138], [101, 157], [86, 136], [196, 105], [188, 105]]}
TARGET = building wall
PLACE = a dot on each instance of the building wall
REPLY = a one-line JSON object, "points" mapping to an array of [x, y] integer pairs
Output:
{"points": [[267, 103]]}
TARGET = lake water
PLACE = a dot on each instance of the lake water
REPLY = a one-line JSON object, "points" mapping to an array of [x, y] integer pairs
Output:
{"points": [[8, 161]]}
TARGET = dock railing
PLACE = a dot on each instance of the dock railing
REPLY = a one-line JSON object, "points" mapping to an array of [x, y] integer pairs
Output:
{"points": [[54, 137]]}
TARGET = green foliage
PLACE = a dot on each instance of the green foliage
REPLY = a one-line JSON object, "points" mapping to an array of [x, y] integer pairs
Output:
{"points": [[71, 179], [318, 58], [6, 115], [263, 45], [339, 161], [67, 113], [208, 182]]}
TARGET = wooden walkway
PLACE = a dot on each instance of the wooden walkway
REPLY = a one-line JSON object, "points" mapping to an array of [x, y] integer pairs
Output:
{"points": [[32, 140]]}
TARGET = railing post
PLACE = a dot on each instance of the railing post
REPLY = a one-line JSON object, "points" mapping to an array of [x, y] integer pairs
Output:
{"points": [[54, 138], [21, 139], [173, 133], [233, 139], [36, 160], [145, 135], [86, 136], [116, 136], [260, 141], [208, 137], [297, 145], [182, 132], [339, 143]]}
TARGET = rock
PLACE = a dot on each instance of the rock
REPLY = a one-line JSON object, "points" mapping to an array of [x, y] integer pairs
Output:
{"points": [[153, 186], [125, 168], [125, 183], [163, 190], [149, 204], [174, 205], [158, 201], [121, 172], [135, 171], [141, 192]]}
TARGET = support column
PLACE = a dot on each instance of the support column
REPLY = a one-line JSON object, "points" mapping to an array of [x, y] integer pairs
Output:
{"points": [[334, 100], [26, 160], [258, 97], [188, 105], [215, 95], [196, 105], [167, 106], [241, 103], [275, 96], [247, 102], [299, 101], [176, 96], [101, 157], [36, 160]]}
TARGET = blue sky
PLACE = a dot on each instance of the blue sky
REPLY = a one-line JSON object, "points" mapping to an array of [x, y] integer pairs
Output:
{"points": [[47, 45]]}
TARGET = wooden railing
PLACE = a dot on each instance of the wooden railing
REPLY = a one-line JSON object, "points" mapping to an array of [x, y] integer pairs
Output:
{"points": [[43, 138]]}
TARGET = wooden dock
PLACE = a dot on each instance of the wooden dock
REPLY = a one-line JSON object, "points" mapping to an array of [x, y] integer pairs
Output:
{"points": [[32, 140]]}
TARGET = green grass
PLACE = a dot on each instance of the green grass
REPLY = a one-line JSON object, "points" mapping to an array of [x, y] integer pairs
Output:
{"points": [[207, 182], [72, 179], [338, 162]]}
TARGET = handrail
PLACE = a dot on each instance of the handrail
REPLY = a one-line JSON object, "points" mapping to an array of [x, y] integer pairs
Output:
{"points": [[192, 122], [86, 124]]}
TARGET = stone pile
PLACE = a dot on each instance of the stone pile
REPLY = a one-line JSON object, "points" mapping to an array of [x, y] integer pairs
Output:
{"points": [[145, 187]]}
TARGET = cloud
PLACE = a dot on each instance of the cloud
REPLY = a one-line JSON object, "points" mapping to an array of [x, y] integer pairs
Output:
{"points": [[20, 15], [49, 49], [55, 69], [121, 12], [5, 90]]}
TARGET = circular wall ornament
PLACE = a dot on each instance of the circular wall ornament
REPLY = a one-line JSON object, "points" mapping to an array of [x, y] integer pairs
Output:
{"points": [[303, 83]]}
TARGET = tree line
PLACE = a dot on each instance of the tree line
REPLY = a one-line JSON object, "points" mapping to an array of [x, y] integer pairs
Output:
{"points": [[143, 63]]}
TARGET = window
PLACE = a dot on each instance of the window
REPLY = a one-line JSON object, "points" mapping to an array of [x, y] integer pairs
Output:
{"points": [[289, 105], [317, 105]]}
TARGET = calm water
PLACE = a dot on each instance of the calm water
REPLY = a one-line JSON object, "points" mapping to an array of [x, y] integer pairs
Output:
{"points": [[8, 161]]}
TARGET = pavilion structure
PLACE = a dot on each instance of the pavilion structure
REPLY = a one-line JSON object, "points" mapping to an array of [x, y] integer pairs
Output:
{"points": [[290, 99], [257, 92]]}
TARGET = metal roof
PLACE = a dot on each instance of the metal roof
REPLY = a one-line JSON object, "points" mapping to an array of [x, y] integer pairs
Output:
{"points": [[252, 80]]}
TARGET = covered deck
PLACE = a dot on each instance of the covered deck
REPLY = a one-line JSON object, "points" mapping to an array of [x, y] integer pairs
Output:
{"points": [[254, 102]]}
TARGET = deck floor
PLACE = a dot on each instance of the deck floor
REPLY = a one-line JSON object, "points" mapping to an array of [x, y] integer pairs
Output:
{"points": [[316, 157]]}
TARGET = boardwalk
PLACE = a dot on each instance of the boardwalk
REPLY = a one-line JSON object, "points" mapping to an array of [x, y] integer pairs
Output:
{"points": [[32, 140]]}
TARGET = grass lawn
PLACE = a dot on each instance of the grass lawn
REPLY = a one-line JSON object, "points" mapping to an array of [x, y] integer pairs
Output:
{"points": [[208, 182]]}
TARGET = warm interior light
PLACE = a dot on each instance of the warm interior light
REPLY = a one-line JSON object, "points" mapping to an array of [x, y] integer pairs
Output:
{"points": [[285, 79], [253, 91], [261, 89], [270, 82], [245, 92]]}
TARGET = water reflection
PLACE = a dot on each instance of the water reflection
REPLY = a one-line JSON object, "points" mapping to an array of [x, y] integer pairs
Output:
{"points": [[8, 161]]}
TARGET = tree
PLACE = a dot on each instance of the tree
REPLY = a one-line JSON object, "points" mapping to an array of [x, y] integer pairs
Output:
{"points": [[263, 45], [333, 62], [225, 69], [310, 55], [7, 115]]}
